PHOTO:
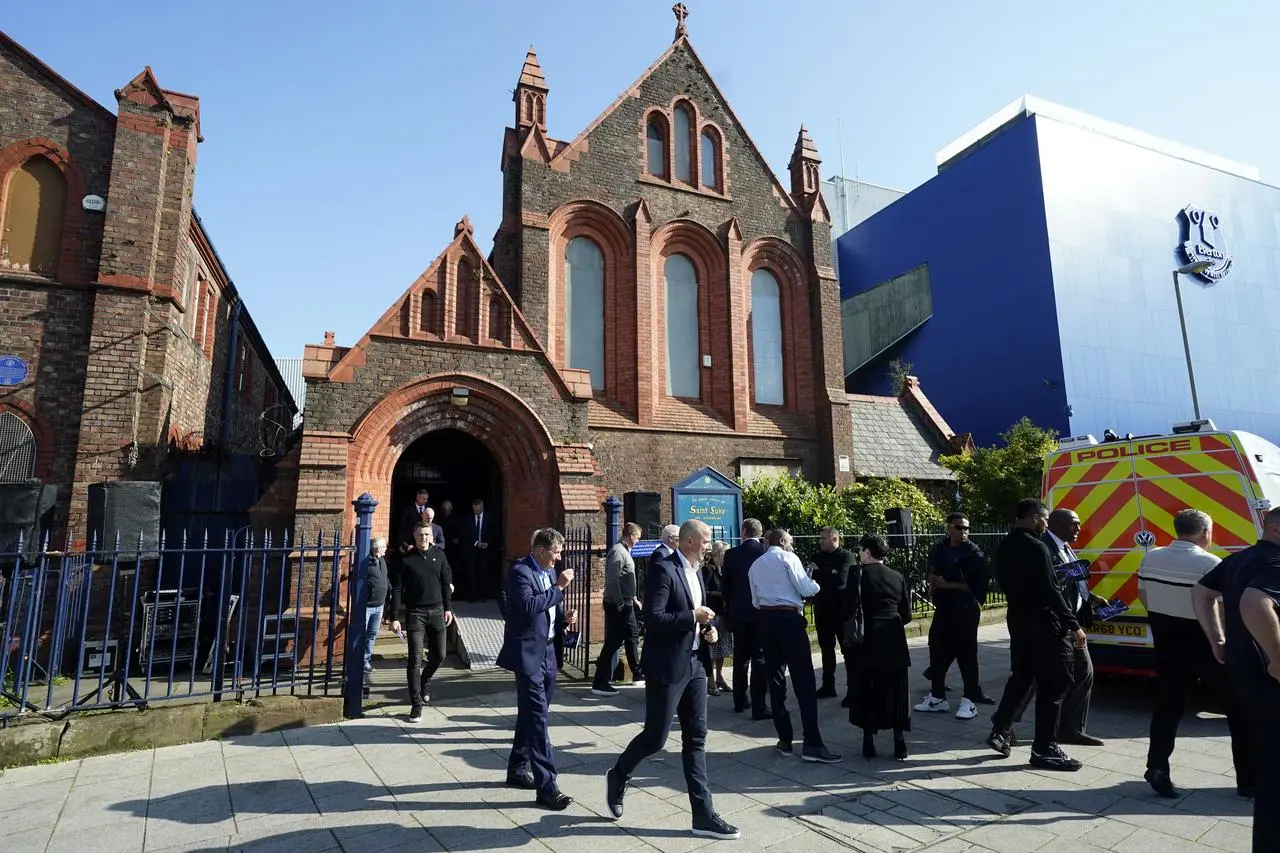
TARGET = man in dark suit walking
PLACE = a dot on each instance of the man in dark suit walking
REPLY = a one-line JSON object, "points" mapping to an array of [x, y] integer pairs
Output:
{"points": [[748, 646], [675, 682], [534, 596], [478, 539]]}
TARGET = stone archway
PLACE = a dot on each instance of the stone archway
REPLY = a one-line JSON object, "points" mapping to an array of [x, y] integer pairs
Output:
{"points": [[511, 431]]}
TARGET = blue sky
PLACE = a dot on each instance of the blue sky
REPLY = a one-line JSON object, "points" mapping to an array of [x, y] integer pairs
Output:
{"points": [[343, 140]]}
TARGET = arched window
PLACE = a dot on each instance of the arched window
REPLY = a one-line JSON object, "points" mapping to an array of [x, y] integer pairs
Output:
{"points": [[710, 160], [584, 301], [766, 338], [17, 449], [466, 298], [497, 320], [33, 210], [683, 368], [428, 321], [683, 139], [656, 146]]}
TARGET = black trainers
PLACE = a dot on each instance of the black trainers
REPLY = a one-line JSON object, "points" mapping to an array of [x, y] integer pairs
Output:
{"points": [[415, 714], [606, 690], [714, 826], [784, 749], [1161, 783], [820, 755], [614, 789], [1053, 758], [1000, 743]]}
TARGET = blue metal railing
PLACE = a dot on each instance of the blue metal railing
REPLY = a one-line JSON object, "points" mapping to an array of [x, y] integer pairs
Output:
{"points": [[109, 628]]}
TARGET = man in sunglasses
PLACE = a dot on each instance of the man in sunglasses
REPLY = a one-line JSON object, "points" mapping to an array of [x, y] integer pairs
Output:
{"points": [[958, 574]]}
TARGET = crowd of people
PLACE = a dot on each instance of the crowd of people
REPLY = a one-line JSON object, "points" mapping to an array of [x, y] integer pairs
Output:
{"points": [[700, 602]]}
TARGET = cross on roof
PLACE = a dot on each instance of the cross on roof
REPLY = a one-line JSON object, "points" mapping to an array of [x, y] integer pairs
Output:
{"points": [[681, 12]]}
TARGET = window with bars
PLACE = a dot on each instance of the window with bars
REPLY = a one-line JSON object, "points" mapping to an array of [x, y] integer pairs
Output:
{"points": [[17, 449]]}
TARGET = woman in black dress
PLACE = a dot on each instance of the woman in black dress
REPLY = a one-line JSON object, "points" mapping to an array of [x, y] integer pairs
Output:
{"points": [[881, 698], [713, 577]]}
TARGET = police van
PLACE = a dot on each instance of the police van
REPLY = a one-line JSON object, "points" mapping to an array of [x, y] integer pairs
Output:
{"points": [[1126, 492]]}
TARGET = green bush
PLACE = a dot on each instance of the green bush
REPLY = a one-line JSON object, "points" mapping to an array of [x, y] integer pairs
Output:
{"points": [[803, 507], [993, 479]]}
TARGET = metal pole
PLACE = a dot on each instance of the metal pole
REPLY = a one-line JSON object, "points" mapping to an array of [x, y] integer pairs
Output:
{"points": [[353, 659], [1186, 344], [612, 521]]}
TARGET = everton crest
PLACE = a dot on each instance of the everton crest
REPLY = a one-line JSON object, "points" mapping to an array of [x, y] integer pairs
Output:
{"points": [[1203, 242]]}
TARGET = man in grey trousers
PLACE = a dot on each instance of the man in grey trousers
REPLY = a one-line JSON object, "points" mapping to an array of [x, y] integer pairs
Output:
{"points": [[621, 629]]}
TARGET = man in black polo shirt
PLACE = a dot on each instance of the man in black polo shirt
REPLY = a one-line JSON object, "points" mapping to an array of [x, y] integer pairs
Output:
{"points": [[423, 584], [1244, 633], [830, 569]]}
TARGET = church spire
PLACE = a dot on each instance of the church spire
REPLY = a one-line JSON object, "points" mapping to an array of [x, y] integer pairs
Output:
{"points": [[530, 95], [804, 168]]}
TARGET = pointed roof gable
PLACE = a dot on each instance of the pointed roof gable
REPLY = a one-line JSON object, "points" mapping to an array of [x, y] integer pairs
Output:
{"points": [[57, 79], [805, 149], [573, 149], [531, 73]]}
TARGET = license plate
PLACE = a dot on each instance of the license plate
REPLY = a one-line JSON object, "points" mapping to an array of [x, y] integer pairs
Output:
{"points": [[1120, 632]]}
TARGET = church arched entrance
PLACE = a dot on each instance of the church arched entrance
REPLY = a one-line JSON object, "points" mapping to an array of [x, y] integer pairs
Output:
{"points": [[455, 468]]}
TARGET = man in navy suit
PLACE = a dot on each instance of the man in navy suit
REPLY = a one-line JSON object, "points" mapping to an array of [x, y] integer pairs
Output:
{"points": [[676, 620], [534, 604], [743, 622]]}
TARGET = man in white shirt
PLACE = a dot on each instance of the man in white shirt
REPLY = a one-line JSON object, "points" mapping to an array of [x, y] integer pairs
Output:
{"points": [[779, 586], [1183, 653]]}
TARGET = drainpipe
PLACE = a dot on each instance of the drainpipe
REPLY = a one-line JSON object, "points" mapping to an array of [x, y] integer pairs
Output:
{"points": [[228, 392]]}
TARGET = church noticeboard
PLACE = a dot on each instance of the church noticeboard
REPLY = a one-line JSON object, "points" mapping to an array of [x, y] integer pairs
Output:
{"points": [[711, 497]]}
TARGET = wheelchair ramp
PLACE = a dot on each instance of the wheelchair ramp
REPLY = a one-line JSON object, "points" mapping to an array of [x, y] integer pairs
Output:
{"points": [[479, 633]]}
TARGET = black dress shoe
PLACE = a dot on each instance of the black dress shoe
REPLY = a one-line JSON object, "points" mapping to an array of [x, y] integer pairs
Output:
{"points": [[557, 802], [614, 789], [1161, 783], [825, 692], [1080, 739], [1053, 758], [524, 783], [984, 699], [762, 714]]}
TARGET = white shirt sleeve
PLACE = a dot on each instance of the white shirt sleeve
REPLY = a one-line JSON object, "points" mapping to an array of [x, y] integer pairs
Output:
{"points": [[806, 586]]}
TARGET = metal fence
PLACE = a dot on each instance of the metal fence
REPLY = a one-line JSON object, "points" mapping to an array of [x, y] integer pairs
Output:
{"points": [[97, 629], [577, 556]]}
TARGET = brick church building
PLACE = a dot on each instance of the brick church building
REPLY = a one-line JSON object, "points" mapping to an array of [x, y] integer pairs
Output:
{"points": [[656, 300], [125, 349]]}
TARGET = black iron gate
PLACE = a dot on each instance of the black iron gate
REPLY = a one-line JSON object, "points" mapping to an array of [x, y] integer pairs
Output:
{"points": [[577, 556]]}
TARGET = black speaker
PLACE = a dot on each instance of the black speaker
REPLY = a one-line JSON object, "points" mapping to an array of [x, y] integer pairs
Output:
{"points": [[130, 508], [26, 512], [645, 509], [897, 523]]}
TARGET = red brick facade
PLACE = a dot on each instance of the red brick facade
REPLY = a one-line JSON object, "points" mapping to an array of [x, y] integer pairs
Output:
{"points": [[128, 337], [498, 337]]}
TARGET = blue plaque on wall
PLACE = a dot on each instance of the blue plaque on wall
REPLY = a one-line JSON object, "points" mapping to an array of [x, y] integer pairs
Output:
{"points": [[711, 497], [13, 370]]}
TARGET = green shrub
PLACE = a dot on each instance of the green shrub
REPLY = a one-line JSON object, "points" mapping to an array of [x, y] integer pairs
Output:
{"points": [[803, 507]]}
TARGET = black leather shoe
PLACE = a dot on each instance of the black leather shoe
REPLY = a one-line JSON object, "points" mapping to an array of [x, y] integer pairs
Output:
{"points": [[984, 699], [714, 826], [819, 755], [524, 783], [614, 790], [1080, 739], [557, 802], [1161, 783], [825, 692], [762, 714], [1053, 758]]}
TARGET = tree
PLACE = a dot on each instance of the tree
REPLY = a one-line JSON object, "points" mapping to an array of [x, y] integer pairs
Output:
{"points": [[898, 372], [866, 500], [993, 479]]}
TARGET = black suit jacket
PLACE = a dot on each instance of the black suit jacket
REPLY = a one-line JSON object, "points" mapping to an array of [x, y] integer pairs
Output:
{"points": [[1070, 589], [408, 520], [669, 623], [737, 585]]}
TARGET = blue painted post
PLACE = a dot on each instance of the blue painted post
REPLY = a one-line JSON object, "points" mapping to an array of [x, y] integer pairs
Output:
{"points": [[612, 521], [353, 662]]}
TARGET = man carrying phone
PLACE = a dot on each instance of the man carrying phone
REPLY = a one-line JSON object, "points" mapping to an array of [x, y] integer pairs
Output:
{"points": [[423, 584]]}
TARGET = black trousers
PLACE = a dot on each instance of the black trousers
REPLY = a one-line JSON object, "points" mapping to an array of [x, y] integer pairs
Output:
{"points": [[531, 750], [786, 646], [1041, 659], [1183, 657], [748, 651], [620, 632], [953, 637], [687, 701], [830, 629], [425, 626], [1260, 693]]}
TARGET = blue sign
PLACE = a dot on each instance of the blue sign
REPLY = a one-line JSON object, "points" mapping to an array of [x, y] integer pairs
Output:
{"points": [[13, 370], [1204, 243], [644, 547], [712, 498]]}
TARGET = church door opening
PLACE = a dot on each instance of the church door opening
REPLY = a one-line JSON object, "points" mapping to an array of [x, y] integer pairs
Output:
{"points": [[456, 468]]}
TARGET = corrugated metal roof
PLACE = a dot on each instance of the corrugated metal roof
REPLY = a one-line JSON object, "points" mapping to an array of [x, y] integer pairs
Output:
{"points": [[291, 370], [851, 202], [890, 440]]}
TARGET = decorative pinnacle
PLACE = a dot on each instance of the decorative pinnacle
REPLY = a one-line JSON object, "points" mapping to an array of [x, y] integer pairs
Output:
{"points": [[681, 12]]}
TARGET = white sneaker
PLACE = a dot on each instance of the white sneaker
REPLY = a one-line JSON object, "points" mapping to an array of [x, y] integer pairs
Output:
{"points": [[967, 710], [929, 705]]}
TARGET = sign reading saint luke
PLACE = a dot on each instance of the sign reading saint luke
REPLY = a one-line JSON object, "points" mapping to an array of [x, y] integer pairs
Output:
{"points": [[1204, 243]]}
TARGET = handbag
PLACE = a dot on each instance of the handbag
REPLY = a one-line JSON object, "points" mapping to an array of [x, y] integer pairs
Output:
{"points": [[855, 627]]}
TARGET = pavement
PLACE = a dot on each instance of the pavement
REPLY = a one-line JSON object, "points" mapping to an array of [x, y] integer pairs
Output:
{"points": [[379, 784]]}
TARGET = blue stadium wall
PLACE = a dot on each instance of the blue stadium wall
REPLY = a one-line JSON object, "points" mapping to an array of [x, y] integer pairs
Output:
{"points": [[990, 353]]}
